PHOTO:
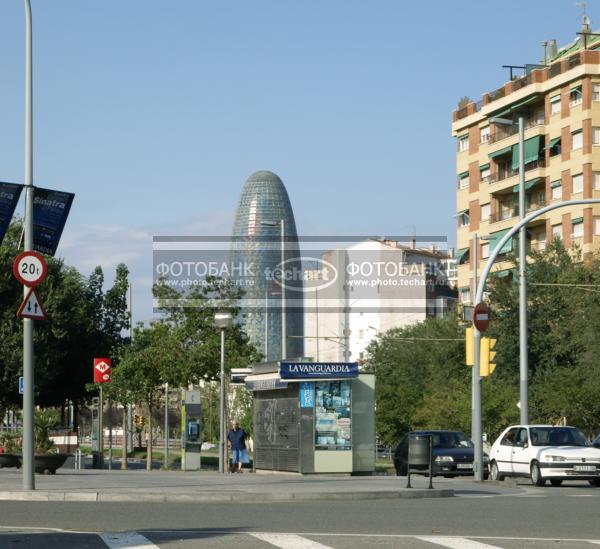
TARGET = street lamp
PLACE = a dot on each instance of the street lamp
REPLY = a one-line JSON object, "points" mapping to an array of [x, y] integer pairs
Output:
{"points": [[223, 320], [523, 357], [28, 357], [281, 224]]}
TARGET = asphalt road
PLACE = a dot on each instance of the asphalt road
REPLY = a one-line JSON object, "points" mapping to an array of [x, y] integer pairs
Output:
{"points": [[565, 517]]}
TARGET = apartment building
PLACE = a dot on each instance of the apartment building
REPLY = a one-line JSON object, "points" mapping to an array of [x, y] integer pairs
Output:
{"points": [[379, 284], [560, 101]]}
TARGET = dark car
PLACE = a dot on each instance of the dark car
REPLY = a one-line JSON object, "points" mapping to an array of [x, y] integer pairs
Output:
{"points": [[452, 454], [596, 442]]}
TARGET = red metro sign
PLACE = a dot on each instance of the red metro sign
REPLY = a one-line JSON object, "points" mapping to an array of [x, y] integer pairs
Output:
{"points": [[102, 370]]}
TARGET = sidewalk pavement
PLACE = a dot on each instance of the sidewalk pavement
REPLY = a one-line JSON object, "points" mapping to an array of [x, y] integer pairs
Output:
{"points": [[180, 486]]}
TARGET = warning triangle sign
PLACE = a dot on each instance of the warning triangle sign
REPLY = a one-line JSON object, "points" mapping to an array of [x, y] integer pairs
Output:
{"points": [[32, 307]]}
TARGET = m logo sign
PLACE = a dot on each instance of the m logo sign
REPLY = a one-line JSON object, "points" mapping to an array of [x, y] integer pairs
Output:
{"points": [[102, 370]]}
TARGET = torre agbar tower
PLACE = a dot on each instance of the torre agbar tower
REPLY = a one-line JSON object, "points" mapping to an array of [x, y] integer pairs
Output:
{"points": [[263, 210]]}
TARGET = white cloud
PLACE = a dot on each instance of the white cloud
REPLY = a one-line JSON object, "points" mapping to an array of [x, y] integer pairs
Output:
{"points": [[89, 245]]}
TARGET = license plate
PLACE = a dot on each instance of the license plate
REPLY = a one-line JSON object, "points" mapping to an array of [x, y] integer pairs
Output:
{"points": [[584, 467], [464, 466]]}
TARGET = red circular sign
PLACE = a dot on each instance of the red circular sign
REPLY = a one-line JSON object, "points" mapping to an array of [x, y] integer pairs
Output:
{"points": [[30, 268], [481, 317]]}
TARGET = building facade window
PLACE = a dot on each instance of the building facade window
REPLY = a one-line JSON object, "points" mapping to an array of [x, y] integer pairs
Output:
{"points": [[541, 241], [578, 183], [575, 97], [596, 135], [485, 172], [485, 250], [596, 181], [577, 140], [485, 134], [465, 295], [463, 180], [597, 226], [557, 231], [556, 190], [555, 104], [485, 212], [595, 91], [577, 228], [463, 219], [463, 143]]}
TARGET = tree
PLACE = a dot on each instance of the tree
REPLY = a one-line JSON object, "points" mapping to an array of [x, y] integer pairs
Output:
{"points": [[81, 324], [412, 364], [145, 366]]}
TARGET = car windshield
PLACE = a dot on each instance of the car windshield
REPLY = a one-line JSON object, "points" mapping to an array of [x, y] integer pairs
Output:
{"points": [[557, 436], [451, 440]]}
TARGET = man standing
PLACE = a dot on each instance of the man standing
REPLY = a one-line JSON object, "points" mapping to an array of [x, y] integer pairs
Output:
{"points": [[237, 443]]}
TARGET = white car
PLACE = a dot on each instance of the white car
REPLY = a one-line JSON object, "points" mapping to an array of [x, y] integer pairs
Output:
{"points": [[544, 452]]}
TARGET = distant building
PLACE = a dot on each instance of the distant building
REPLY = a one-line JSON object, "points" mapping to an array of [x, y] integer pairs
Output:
{"points": [[560, 101], [263, 205], [379, 285]]}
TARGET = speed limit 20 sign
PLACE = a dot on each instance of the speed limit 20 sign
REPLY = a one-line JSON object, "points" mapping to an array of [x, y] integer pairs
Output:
{"points": [[30, 268]]}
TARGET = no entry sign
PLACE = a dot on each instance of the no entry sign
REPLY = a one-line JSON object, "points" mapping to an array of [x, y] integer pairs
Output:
{"points": [[481, 317], [102, 370]]}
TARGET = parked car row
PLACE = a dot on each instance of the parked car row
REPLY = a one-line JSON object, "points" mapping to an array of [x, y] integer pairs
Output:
{"points": [[539, 452]]}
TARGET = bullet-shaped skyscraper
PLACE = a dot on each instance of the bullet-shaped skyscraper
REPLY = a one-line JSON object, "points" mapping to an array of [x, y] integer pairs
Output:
{"points": [[265, 240]]}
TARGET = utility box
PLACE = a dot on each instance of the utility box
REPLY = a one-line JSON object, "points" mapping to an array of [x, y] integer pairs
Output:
{"points": [[313, 417], [191, 431]]}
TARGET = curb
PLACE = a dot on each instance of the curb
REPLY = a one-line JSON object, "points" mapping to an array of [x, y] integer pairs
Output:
{"points": [[41, 495]]}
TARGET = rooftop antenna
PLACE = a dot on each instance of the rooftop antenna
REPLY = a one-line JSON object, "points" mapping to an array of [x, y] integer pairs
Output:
{"points": [[585, 28]]}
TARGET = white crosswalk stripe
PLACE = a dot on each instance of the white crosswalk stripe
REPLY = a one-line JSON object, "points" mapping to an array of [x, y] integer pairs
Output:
{"points": [[127, 540], [289, 541], [456, 543]]}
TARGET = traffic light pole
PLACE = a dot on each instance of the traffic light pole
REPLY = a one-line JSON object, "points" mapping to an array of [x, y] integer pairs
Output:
{"points": [[476, 428]]}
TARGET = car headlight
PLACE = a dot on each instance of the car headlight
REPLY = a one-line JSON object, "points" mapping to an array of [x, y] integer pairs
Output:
{"points": [[444, 459], [555, 458]]}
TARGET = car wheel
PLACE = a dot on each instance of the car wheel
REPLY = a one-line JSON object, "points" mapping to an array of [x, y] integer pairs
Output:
{"points": [[595, 482], [495, 472], [556, 481], [536, 475]]}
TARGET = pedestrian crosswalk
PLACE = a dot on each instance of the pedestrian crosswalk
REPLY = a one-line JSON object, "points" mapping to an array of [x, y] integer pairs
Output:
{"points": [[224, 539]]}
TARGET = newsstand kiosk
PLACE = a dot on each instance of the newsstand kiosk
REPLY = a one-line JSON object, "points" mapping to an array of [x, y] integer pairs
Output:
{"points": [[313, 417]]}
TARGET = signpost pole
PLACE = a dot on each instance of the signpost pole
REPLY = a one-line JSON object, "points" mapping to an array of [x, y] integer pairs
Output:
{"points": [[110, 438], [28, 373], [101, 428]]}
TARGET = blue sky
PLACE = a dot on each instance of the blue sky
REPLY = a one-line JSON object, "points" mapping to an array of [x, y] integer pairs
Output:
{"points": [[155, 112]]}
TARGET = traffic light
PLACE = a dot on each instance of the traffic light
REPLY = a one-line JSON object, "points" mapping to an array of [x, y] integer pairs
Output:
{"points": [[143, 419], [469, 347], [486, 365]]}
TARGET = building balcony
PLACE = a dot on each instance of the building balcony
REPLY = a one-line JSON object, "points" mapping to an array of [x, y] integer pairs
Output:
{"points": [[507, 174], [504, 132], [513, 212]]}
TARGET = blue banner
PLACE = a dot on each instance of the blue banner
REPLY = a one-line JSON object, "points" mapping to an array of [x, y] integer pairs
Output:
{"points": [[325, 370], [9, 196], [307, 395], [50, 212]]}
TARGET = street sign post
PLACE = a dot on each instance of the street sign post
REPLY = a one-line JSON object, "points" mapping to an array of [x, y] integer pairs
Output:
{"points": [[32, 307], [481, 317], [102, 370], [30, 268]]}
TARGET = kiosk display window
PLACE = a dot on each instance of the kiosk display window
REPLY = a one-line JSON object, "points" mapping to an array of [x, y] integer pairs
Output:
{"points": [[333, 421]]}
